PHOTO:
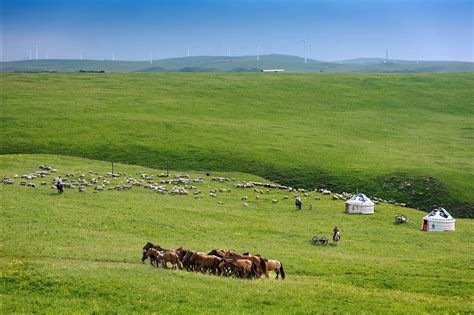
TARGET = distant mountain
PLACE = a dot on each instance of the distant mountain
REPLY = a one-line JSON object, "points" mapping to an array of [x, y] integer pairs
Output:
{"points": [[238, 64]]}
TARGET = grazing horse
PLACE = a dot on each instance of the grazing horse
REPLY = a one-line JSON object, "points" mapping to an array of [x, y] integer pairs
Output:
{"points": [[147, 246], [275, 265]]}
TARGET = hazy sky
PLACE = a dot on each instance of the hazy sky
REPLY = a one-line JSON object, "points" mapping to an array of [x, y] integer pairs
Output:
{"points": [[335, 29]]}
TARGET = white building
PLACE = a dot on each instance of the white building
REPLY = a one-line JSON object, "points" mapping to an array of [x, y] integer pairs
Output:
{"points": [[360, 204], [273, 70], [438, 220]]}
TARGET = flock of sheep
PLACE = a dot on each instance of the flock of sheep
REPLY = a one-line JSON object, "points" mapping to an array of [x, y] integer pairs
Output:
{"points": [[178, 184]]}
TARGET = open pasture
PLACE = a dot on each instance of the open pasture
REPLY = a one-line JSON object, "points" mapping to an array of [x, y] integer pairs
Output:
{"points": [[81, 252], [403, 137]]}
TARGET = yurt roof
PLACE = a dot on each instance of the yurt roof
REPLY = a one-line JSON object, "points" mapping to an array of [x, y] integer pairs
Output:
{"points": [[360, 199], [439, 214]]}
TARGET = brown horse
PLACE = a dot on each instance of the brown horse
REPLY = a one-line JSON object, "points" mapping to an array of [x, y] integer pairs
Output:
{"points": [[261, 263], [275, 265], [205, 263], [242, 268], [147, 246], [165, 257]]}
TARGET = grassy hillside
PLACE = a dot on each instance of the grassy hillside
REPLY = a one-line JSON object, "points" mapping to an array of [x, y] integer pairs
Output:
{"points": [[237, 64], [80, 252], [408, 138]]}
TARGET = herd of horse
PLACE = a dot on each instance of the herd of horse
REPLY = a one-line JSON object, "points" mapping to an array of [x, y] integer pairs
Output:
{"points": [[219, 262]]}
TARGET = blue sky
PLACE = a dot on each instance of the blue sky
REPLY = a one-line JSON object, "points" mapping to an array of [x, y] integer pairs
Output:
{"points": [[335, 29]]}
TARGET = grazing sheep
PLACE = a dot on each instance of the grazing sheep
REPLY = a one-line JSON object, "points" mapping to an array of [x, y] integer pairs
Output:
{"points": [[274, 201], [212, 195], [99, 188], [243, 198], [245, 205], [7, 181], [285, 198], [220, 202]]}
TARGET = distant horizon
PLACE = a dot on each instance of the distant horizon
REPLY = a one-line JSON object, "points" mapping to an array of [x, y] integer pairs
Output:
{"points": [[241, 56], [134, 30]]}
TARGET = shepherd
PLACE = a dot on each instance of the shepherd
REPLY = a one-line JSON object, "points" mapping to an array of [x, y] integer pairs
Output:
{"points": [[59, 185], [336, 236], [298, 202]]}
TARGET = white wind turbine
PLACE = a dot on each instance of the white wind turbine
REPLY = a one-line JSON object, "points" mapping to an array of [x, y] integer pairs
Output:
{"points": [[305, 43]]}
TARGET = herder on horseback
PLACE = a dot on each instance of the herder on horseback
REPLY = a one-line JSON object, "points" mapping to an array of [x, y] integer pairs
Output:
{"points": [[59, 185]]}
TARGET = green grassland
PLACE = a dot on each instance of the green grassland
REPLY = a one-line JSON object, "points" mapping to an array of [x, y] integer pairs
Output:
{"points": [[405, 137], [80, 252]]}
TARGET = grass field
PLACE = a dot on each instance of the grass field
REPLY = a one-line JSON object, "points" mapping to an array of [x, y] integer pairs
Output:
{"points": [[80, 252], [375, 133]]}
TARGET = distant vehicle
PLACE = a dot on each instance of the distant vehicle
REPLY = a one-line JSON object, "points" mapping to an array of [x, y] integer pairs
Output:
{"points": [[273, 70]]}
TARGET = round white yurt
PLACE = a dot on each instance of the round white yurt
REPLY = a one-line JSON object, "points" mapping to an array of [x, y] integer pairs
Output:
{"points": [[438, 220], [360, 204]]}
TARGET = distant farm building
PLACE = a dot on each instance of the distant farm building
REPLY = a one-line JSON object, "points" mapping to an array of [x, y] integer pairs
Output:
{"points": [[360, 203], [438, 220], [273, 70]]}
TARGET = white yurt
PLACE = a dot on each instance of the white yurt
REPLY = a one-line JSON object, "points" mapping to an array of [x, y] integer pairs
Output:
{"points": [[360, 204], [438, 220]]}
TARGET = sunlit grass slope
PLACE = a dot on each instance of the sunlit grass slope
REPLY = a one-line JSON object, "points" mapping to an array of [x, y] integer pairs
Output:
{"points": [[376, 133], [80, 252]]}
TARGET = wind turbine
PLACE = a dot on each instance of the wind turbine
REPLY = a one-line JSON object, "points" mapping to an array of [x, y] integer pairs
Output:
{"points": [[29, 54], [36, 51], [189, 54], [151, 56], [81, 54], [113, 55], [305, 43], [258, 52]]}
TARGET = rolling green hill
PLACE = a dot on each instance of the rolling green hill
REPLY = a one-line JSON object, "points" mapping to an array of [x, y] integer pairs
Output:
{"points": [[401, 137], [237, 64], [80, 252]]}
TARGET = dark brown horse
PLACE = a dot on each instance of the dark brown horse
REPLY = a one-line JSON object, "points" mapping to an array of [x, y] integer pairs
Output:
{"points": [[147, 246]]}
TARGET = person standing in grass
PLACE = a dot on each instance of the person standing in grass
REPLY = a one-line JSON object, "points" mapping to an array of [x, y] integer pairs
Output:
{"points": [[298, 202], [59, 185]]}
